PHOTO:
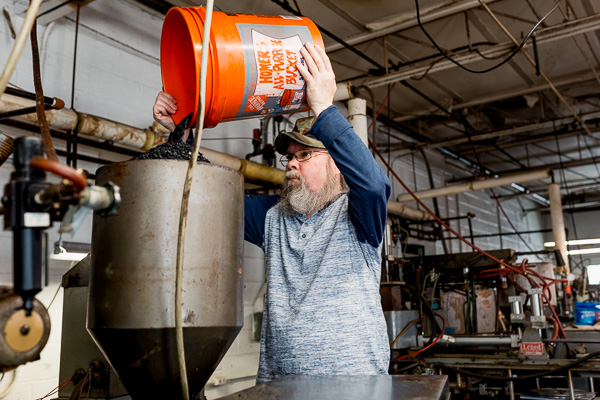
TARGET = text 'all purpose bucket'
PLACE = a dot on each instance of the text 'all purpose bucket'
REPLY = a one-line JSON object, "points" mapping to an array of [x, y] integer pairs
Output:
{"points": [[251, 68]]}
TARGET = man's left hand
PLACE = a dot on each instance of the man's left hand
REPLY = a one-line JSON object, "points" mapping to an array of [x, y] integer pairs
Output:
{"points": [[319, 77]]}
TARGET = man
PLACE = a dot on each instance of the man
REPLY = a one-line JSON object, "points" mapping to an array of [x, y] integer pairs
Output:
{"points": [[322, 242]]}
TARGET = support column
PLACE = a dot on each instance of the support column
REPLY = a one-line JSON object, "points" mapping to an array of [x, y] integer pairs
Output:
{"points": [[357, 115], [558, 222]]}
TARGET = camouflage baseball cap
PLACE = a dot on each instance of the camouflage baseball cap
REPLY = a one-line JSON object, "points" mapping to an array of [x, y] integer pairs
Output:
{"points": [[299, 135]]}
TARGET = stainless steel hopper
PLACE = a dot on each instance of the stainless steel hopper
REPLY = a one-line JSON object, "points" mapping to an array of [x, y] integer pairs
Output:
{"points": [[132, 285]]}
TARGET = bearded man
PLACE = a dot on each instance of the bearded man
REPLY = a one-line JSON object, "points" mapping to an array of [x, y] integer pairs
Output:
{"points": [[322, 241]]}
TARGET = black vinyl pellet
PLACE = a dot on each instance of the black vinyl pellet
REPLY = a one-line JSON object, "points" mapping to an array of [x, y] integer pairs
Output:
{"points": [[175, 150]]}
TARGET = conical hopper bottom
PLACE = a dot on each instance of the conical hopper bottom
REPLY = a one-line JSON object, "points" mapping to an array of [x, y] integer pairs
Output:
{"points": [[146, 359]]}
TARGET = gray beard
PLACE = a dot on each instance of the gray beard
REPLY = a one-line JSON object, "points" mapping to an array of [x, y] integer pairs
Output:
{"points": [[299, 199]]}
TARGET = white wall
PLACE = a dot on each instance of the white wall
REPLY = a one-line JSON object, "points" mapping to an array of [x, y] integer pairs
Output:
{"points": [[488, 217], [117, 77]]}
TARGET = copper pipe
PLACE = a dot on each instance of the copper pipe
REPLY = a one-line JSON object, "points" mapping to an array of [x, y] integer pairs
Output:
{"points": [[39, 96], [59, 169]]}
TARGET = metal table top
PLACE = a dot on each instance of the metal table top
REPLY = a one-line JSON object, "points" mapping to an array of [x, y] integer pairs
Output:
{"points": [[375, 387]]}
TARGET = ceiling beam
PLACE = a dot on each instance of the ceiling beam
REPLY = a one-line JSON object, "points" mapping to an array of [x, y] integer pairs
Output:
{"points": [[53, 10], [544, 36], [563, 81], [405, 21], [499, 133], [550, 136], [555, 166], [344, 14]]}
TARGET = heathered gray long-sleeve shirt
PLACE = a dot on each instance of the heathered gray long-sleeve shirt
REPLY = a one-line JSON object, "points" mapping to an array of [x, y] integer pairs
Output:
{"points": [[323, 311]]}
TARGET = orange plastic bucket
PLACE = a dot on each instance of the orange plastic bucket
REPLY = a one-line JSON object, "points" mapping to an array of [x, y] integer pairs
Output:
{"points": [[251, 63]]}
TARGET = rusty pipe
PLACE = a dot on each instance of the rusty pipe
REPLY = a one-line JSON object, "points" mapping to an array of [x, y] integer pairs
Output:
{"points": [[67, 119], [90, 125], [6, 147]]}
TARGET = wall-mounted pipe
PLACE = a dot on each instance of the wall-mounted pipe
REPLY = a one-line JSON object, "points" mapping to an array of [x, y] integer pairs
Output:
{"points": [[90, 125], [109, 130], [67, 119], [142, 139], [478, 185]]}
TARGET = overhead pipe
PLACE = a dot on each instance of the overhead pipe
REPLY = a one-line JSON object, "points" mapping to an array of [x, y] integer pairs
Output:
{"points": [[558, 223], [478, 185], [85, 124]]}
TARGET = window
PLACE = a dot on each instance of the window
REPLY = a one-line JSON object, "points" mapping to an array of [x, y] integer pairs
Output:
{"points": [[594, 274]]}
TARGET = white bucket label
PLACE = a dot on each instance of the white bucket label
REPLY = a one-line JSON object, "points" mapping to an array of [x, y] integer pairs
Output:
{"points": [[276, 60], [273, 83]]}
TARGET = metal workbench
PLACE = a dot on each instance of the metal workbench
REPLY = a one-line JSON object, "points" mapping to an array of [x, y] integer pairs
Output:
{"points": [[378, 387]]}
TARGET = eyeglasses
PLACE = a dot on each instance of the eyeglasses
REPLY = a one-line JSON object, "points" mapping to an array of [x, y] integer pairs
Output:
{"points": [[300, 156]]}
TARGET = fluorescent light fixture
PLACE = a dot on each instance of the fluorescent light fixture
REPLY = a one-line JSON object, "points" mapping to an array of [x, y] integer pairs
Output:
{"points": [[519, 188], [594, 250], [575, 242], [541, 199]]}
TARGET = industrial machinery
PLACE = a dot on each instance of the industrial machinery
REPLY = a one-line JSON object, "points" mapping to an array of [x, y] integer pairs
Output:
{"points": [[498, 330], [30, 205]]}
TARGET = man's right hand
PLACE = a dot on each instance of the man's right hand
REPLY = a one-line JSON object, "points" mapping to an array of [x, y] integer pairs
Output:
{"points": [[164, 106]]}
